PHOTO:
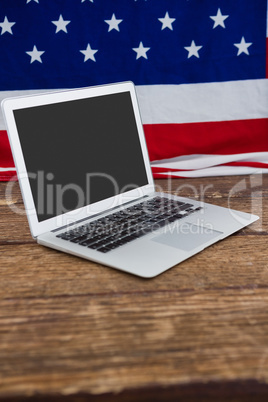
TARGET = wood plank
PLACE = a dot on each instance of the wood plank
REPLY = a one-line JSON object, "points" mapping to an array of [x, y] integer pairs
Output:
{"points": [[35, 271], [73, 327], [107, 344]]}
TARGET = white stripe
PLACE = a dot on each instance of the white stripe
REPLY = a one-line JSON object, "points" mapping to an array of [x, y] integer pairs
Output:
{"points": [[236, 100], [201, 161], [219, 171], [189, 103], [7, 169]]}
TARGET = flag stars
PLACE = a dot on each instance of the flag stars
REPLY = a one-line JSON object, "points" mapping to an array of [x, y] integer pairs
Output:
{"points": [[141, 51], [167, 22], [6, 26], [61, 24], [243, 46], [89, 53], [113, 23], [28, 1], [35, 55], [219, 19], [193, 49]]}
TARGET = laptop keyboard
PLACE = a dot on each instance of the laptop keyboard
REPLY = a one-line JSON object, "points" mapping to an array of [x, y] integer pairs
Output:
{"points": [[115, 230]]}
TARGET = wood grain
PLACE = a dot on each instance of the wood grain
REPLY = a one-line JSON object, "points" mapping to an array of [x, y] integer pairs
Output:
{"points": [[76, 330]]}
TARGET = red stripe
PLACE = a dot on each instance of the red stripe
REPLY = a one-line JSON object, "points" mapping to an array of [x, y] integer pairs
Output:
{"points": [[167, 176], [160, 169], [260, 165], [6, 160], [166, 141], [8, 176]]}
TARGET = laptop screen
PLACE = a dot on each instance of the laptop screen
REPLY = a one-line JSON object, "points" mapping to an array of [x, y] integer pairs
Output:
{"points": [[80, 152]]}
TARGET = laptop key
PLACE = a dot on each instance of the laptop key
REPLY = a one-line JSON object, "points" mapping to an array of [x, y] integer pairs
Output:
{"points": [[66, 236], [184, 207], [88, 242], [104, 249], [94, 246]]}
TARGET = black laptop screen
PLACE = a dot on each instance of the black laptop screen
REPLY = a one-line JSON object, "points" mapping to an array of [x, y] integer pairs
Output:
{"points": [[81, 151]]}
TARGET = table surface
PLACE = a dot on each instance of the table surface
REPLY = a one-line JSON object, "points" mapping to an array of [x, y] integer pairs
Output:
{"points": [[75, 330]]}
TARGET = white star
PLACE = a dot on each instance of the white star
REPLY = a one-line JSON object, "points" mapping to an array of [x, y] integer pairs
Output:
{"points": [[167, 21], [35, 55], [89, 53], [141, 51], [85, 0], [6, 26], [113, 23], [243, 46], [219, 19], [61, 24], [193, 49], [28, 1]]}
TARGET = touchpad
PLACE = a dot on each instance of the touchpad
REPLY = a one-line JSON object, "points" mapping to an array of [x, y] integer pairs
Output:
{"points": [[186, 236]]}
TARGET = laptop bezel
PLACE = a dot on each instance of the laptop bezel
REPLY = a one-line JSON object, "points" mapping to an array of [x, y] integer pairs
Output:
{"points": [[11, 104]]}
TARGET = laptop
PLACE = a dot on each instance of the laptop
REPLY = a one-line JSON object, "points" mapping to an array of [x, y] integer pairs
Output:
{"points": [[88, 190]]}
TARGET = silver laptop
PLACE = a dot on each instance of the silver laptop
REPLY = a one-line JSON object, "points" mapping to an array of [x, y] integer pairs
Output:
{"points": [[88, 190]]}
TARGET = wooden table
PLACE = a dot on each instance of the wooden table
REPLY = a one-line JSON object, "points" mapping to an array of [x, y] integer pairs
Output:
{"points": [[72, 330]]}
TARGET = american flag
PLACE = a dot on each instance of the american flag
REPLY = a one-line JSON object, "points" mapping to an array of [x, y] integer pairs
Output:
{"points": [[199, 67]]}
